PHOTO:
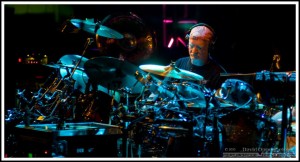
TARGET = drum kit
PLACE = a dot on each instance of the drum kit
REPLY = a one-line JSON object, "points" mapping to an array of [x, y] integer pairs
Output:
{"points": [[115, 91]]}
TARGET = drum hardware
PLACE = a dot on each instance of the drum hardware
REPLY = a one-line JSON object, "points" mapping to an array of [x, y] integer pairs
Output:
{"points": [[69, 85], [216, 137], [46, 105], [283, 95], [173, 129], [288, 76], [236, 92], [285, 127], [236, 74], [126, 91], [127, 127], [209, 97], [38, 102], [244, 124]]}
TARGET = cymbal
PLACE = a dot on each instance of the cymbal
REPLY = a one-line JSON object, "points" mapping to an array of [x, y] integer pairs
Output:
{"points": [[114, 74], [91, 27], [55, 66], [71, 60], [175, 129], [139, 40], [60, 66], [237, 74], [171, 71]]}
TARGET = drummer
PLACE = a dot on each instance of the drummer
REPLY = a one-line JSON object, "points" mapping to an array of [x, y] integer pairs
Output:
{"points": [[201, 39]]}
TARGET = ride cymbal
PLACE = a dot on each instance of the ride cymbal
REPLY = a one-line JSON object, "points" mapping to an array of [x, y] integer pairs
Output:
{"points": [[171, 71]]}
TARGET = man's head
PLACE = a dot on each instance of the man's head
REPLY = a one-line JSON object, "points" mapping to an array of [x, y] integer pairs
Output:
{"points": [[200, 41]]}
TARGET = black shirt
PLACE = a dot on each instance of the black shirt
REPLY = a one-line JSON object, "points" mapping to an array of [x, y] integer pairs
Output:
{"points": [[210, 72]]}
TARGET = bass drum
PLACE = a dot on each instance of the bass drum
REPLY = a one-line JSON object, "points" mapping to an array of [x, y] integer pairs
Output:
{"points": [[247, 132]]}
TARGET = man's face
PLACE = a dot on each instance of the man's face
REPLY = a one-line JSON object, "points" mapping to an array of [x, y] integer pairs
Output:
{"points": [[198, 50]]}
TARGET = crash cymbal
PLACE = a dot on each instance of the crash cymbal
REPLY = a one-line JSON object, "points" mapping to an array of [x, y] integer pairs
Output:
{"points": [[114, 74], [171, 71], [94, 28]]}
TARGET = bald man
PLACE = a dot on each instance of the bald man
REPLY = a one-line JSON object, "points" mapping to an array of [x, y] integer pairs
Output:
{"points": [[201, 40]]}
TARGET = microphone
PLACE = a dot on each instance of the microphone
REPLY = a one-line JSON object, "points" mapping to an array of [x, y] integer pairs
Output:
{"points": [[275, 63], [97, 26], [64, 25], [140, 77], [144, 80], [90, 41], [63, 29]]}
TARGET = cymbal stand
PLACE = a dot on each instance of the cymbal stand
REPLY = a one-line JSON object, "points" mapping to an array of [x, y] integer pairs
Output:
{"points": [[69, 81]]}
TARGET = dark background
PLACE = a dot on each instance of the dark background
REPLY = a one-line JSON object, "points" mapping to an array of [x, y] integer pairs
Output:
{"points": [[247, 36]]}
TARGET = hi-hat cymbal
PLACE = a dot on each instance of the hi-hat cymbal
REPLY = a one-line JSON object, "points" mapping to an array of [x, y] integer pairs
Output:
{"points": [[60, 66], [171, 71], [69, 61], [114, 74], [91, 27]]}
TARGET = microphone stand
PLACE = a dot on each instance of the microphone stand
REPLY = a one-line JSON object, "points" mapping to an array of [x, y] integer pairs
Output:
{"points": [[284, 122], [63, 96], [88, 43], [286, 103]]}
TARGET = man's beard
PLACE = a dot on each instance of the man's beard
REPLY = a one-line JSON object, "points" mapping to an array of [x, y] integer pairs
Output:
{"points": [[197, 62]]}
